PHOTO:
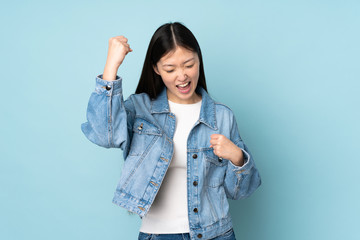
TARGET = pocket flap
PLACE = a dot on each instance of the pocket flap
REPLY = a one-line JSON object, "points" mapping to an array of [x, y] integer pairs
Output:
{"points": [[211, 157], [142, 126]]}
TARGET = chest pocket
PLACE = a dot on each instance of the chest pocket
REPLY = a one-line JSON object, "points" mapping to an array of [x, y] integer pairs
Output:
{"points": [[144, 136], [215, 168]]}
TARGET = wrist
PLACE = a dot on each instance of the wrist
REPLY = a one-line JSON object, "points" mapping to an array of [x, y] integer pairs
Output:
{"points": [[238, 158], [110, 72]]}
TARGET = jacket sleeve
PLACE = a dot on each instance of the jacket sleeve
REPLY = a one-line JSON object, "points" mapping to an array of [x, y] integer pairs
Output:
{"points": [[241, 182], [109, 117]]}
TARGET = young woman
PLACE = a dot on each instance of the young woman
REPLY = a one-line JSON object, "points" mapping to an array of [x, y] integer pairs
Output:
{"points": [[183, 153]]}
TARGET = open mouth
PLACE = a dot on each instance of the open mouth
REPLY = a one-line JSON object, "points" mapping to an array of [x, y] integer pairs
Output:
{"points": [[184, 88]]}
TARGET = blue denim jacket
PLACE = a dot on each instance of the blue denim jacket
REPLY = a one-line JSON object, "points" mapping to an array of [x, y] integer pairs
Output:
{"points": [[144, 130]]}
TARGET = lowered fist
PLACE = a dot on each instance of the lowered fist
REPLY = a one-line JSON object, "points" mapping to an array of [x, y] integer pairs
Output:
{"points": [[225, 148]]}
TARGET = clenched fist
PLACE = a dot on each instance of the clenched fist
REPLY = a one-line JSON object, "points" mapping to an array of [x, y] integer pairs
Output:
{"points": [[118, 49], [225, 148]]}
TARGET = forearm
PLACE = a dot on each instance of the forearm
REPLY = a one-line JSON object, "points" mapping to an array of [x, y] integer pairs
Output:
{"points": [[110, 72], [238, 158]]}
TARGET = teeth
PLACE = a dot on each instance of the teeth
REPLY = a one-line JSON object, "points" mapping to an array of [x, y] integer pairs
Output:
{"points": [[184, 85]]}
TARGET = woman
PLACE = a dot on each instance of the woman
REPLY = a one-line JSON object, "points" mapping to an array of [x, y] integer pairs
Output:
{"points": [[178, 144]]}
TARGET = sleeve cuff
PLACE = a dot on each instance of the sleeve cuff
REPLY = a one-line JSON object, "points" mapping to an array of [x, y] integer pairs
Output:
{"points": [[245, 168], [109, 87]]}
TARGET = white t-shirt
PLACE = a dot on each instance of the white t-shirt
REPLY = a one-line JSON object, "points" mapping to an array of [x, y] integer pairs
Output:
{"points": [[169, 211]]}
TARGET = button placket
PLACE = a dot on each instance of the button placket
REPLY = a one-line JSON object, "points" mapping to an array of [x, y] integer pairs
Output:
{"points": [[195, 183]]}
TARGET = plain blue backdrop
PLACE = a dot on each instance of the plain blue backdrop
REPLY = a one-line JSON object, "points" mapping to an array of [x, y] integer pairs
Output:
{"points": [[288, 69]]}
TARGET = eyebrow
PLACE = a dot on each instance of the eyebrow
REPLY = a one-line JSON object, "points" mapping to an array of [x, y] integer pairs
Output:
{"points": [[171, 65]]}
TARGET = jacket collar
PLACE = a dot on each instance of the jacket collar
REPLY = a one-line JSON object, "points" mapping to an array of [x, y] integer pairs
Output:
{"points": [[207, 111]]}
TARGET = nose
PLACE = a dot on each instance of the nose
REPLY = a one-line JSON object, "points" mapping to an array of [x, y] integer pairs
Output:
{"points": [[182, 76]]}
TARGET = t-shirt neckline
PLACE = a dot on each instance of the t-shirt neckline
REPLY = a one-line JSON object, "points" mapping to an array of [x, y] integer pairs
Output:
{"points": [[185, 103]]}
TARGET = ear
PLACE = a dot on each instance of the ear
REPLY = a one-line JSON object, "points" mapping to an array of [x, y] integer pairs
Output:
{"points": [[156, 69]]}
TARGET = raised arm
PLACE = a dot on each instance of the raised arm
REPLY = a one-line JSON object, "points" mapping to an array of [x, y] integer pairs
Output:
{"points": [[109, 117]]}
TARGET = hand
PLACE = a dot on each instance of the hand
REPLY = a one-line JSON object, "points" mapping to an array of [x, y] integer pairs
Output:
{"points": [[225, 148], [118, 49]]}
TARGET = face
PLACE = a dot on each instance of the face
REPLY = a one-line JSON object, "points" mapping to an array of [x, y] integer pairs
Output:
{"points": [[179, 70]]}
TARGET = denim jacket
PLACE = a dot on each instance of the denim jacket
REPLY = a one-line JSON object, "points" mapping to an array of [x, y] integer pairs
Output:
{"points": [[144, 128]]}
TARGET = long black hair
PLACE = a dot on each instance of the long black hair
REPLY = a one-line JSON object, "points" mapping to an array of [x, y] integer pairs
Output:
{"points": [[165, 39]]}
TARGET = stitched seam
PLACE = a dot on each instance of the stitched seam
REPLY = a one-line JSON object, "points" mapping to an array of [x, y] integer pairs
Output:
{"points": [[141, 159], [109, 120]]}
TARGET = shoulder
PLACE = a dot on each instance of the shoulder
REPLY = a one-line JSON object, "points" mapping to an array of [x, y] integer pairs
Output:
{"points": [[224, 115], [136, 101], [223, 109], [136, 97]]}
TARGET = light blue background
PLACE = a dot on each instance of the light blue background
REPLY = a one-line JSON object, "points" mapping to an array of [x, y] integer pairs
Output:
{"points": [[288, 69]]}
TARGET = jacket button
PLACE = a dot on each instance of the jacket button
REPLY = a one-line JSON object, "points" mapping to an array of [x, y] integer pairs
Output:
{"points": [[195, 183], [194, 156], [199, 235], [220, 159], [108, 87], [195, 210]]}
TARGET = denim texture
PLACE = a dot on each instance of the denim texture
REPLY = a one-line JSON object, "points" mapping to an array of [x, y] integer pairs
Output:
{"points": [[229, 235], [144, 128]]}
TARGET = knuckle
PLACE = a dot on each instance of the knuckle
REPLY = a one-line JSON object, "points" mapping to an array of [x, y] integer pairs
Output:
{"points": [[124, 38]]}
